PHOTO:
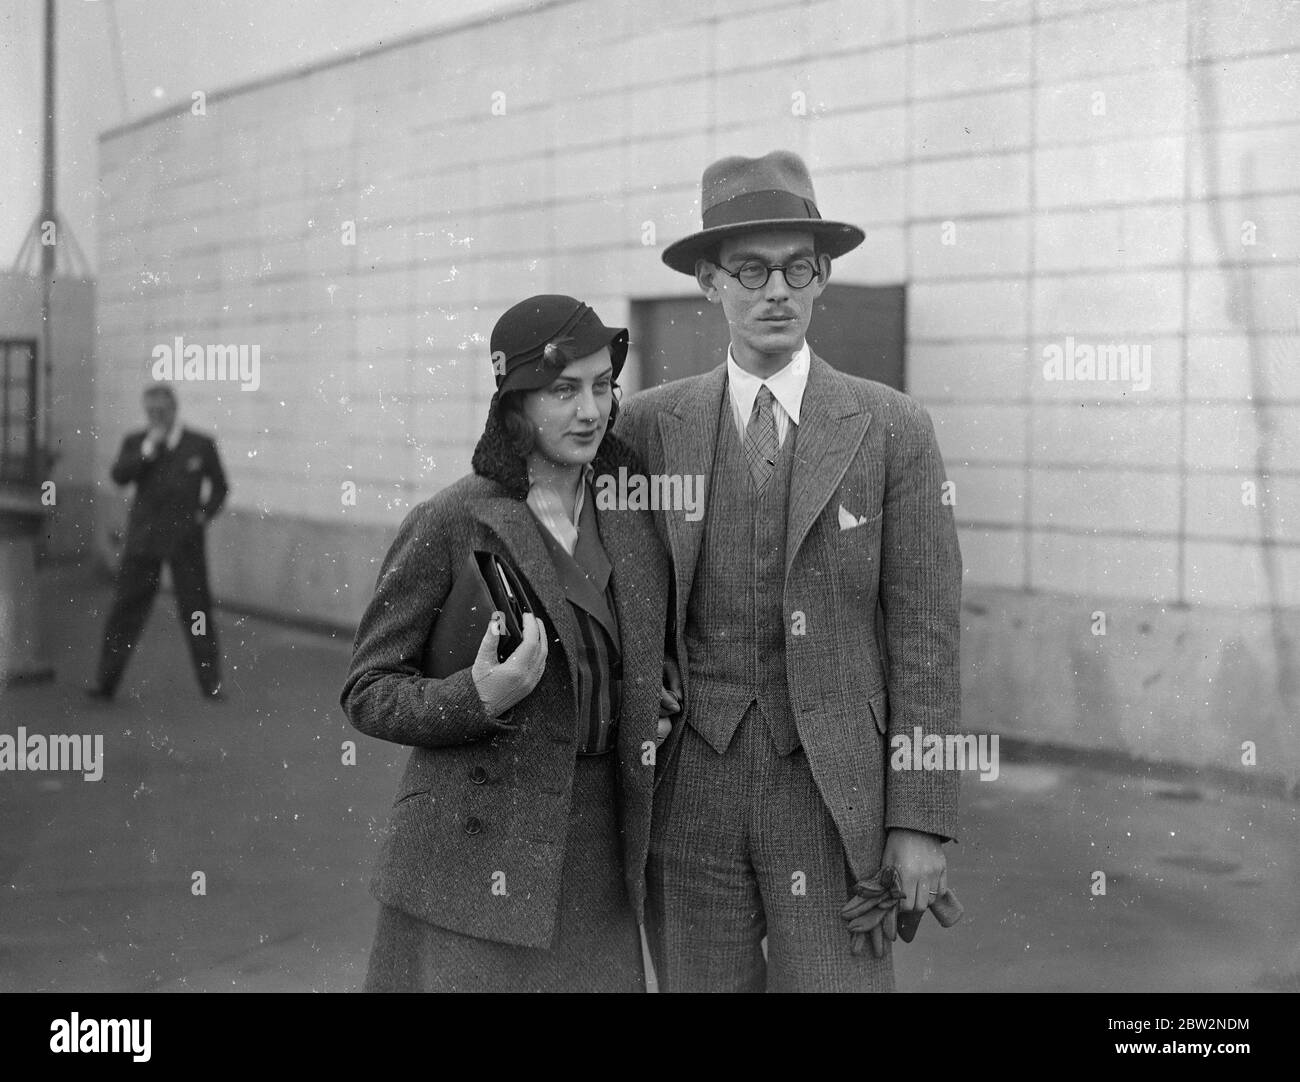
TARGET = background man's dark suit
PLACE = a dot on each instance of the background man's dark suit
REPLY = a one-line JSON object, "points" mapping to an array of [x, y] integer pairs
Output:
{"points": [[167, 521]]}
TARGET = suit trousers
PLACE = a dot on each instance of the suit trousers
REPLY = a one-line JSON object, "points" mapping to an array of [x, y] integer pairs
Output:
{"points": [[137, 584], [742, 846]]}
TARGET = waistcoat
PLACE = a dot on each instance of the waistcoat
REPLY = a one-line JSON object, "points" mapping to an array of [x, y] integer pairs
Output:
{"points": [[735, 619]]}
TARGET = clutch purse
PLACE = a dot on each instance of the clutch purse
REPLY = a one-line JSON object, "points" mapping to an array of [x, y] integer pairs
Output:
{"points": [[484, 584]]}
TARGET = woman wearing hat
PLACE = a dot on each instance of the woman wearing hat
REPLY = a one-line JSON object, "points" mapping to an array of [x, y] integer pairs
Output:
{"points": [[515, 854]]}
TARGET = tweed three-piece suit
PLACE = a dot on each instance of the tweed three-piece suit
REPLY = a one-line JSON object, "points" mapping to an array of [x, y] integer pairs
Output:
{"points": [[813, 620]]}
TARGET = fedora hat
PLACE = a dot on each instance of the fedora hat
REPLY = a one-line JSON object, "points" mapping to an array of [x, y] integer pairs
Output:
{"points": [[775, 191], [536, 338]]}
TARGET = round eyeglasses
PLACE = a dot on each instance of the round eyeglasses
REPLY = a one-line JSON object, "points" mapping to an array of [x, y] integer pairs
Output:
{"points": [[754, 275]]}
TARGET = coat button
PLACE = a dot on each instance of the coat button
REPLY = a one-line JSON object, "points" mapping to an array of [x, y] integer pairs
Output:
{"points": [[473, 825], [478, 776]]}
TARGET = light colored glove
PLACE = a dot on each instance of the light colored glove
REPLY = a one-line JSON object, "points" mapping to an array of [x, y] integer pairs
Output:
{"points": [[502, 684]]}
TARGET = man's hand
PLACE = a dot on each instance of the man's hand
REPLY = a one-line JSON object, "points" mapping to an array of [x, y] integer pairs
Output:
{"points": [[879, 909], [922, 867], [913, 872]]}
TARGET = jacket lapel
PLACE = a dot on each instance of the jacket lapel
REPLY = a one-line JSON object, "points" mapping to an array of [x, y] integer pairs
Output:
{"points": [[832, 424], [584, 580], [513, 523], [639, 576], [689, 434]]}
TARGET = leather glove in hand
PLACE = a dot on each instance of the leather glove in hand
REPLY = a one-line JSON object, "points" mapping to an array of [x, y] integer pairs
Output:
{"points": [[873, 915]]}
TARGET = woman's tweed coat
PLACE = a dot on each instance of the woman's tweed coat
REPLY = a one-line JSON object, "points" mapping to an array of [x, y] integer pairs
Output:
{"points": [[481, 804]]}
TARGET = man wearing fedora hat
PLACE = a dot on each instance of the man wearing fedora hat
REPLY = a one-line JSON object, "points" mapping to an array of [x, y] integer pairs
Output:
{"points": [[817, 614]]}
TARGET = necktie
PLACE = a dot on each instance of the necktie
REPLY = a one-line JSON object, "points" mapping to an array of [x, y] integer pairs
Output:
{"points": [[760, 440]]}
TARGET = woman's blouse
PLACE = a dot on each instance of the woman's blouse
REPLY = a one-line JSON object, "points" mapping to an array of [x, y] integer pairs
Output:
{"points": [[583, 569]]}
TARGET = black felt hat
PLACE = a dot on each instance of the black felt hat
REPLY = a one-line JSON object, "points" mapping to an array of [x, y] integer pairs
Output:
{"points": [[536, 338]]}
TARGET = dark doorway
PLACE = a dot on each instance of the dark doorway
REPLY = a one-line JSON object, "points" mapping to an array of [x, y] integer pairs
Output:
{"points": [[858, 329]]}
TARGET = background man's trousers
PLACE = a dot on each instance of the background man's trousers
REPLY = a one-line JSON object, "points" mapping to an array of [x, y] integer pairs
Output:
{"points": [[137, 583], [731, 834]]}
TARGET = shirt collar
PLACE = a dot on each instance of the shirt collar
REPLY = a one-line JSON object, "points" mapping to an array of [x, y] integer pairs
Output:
{"points": [[588, 472], [787, 385], [548, 508]]}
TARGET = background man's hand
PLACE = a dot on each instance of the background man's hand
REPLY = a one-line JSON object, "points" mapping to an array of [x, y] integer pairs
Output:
{"points": [[921, 865], [153, 442]]}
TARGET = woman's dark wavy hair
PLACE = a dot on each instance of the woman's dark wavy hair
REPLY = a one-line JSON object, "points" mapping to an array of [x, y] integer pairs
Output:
{"points": [[508, 438]]}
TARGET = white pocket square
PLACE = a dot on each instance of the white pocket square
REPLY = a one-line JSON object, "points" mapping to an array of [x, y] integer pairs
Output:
{"points": [[848, 520]]}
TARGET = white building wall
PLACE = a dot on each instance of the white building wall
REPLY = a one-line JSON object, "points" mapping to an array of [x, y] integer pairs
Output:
{"points": [[1111, 172]]}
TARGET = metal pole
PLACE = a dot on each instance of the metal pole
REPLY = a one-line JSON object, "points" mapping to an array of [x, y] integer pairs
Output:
{"points": [[49, 259], [22, 515]]}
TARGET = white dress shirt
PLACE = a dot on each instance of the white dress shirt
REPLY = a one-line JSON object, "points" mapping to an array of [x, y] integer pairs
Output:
{"points": [[787, 387]]}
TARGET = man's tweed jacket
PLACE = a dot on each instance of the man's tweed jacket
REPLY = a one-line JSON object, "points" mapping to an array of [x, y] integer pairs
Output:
{"points": [[865, 450], [481, 804]]}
